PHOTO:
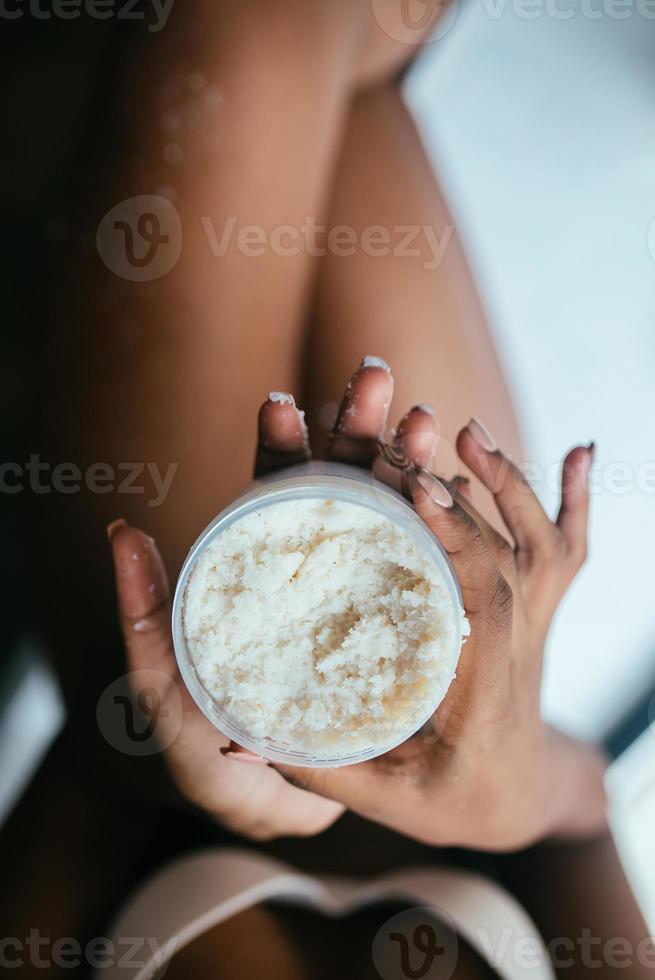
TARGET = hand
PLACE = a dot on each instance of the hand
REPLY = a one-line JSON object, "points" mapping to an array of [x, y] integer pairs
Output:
{"points": [[489, 774], [239, 790]]}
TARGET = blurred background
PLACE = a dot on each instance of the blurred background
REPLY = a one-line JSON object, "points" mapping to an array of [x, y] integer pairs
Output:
{"points": [[541, 117]]}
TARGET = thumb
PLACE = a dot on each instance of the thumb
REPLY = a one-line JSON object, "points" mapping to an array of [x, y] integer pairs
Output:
{"points": [[143, 599], [358, 787]]}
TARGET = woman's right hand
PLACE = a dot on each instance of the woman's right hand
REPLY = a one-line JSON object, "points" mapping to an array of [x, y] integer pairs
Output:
{"points": [[490, 774], [236, 788]]}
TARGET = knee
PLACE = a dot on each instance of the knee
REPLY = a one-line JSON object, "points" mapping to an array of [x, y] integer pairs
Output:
{"points": [[267, 27]]}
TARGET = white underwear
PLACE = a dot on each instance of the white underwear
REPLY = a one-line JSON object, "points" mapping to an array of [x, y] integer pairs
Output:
{"points": [[194, 894]]}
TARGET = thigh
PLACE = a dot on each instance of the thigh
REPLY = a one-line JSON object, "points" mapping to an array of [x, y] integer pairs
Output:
{"points": [[404, 291], [297, 943], [168, 332], [251, 944]]}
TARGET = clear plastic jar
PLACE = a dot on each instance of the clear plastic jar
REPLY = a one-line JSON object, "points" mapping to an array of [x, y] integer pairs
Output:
{"points": [[311, 481]]}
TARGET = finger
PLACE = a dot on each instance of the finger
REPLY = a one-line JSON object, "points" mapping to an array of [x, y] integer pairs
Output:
{"points": [[415, 442], [143, 600], [417, 436], [502, 552], [371, 788], [487, 597], [573, 516], [485, 591], [282, 434], [519, 506], [363, 788], [363, 414]]}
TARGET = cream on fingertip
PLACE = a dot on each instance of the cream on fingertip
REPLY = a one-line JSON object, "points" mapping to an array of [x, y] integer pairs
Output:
{"points": [[370, 361], [281, 398]]}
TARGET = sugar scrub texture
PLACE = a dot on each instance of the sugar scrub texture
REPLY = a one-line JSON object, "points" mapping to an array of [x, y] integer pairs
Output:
{"points": [[322, 625]]}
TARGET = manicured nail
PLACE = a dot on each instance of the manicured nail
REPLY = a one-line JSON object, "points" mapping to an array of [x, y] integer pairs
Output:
{"points": [[482, 436], [281, 397], [115, 526], [375, 362], [434, 488], [246, 757]]}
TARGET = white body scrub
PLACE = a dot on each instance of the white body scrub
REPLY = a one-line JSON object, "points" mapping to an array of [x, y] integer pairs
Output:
{"points": [[321, 624]]}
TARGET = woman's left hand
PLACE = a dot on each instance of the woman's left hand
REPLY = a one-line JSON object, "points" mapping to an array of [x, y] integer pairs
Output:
{"points": [[488, 773]]}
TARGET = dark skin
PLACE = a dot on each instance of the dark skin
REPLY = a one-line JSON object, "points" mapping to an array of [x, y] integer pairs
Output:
{"points": [[568, 806], [554, 880], [161, 372], [489, 733]]}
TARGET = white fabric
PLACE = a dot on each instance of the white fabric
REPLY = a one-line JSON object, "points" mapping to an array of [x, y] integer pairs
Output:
{"points": [[198, 892]]}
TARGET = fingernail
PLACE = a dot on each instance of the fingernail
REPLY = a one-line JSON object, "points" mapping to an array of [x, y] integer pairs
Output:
{"points": [[375, 362], [246, 757], [434, 488], [423, 407], [591, 449], [115, 526], [281, 397], [482, 436]]}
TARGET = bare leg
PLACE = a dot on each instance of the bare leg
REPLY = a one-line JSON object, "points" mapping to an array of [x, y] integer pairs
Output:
{"points": [[419, 313], [235, 110], [235, 114], [580, 898]]}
